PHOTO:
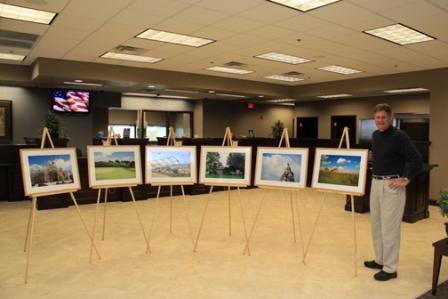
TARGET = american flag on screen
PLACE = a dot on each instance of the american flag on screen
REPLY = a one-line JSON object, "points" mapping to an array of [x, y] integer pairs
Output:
{"points": [[71, 101]]}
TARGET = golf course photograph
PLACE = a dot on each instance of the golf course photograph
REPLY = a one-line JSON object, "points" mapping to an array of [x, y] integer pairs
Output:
{"points": [[114, 165]]}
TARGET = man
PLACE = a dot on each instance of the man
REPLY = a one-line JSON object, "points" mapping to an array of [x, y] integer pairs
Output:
{"points": [[396, 162]]}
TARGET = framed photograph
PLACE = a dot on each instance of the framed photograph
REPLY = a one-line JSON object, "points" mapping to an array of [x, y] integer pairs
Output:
{"points": [[5, 121], [114, 166], [340, 170], [49, 171], [281, 167], [170, 165], [225, 166]]}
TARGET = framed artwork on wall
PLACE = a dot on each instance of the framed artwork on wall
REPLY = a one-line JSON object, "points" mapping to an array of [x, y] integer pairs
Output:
{"points": [[49, 171], [170, 165], [5, 121], [114, 166], [225, 166], [340, 170], [281, 167]]}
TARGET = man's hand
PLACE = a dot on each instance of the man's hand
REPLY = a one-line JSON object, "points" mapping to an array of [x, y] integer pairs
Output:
{"points": [[400, 182]]}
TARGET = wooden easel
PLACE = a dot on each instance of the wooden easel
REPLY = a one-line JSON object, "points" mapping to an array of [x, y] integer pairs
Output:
{"points": [[284, 137], [30, 225], [344, 137], [171, 141], [111, 136], [227, 141]]}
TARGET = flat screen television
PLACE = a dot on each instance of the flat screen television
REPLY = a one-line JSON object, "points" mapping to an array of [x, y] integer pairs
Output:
{"points": [[70, 101]]}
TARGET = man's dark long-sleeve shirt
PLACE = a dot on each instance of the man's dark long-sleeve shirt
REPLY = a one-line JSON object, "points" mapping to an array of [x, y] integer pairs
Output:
{"points": [[394, 153]]}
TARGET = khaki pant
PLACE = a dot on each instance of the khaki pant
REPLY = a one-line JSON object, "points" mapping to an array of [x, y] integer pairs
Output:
{"points": [[386, 212]]}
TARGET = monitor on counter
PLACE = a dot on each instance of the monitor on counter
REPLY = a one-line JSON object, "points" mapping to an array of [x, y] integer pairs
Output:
{"points": [[70, 101]]}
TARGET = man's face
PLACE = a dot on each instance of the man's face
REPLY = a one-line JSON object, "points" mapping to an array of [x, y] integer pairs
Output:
{"points": [[382, 120]]}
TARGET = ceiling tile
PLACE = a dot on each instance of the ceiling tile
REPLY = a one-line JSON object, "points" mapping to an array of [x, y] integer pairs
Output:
{"points": [[229, 6], [237, 24], [163, 8], [269, 13], [199, 15]]}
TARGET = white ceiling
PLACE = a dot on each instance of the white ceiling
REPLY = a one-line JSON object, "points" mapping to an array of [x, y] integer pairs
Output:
{"points": [[332, 35]]}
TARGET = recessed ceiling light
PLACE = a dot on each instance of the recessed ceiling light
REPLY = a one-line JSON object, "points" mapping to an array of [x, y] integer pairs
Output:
{"points": [[261, 96], [9, 56], [284, 78], [175, 38], [211, 91], [405, 90], [129, 57], [26, 14], [151, 86], [333, 96], [83, 83], [230, 95], [399, 34], [303, 5], [282, 58], [78, 80], [339, 69], [229, 70]]}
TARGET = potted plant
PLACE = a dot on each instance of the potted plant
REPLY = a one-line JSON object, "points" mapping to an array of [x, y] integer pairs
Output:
{"points": [[277, 129], [53, 123], [443, 204]]}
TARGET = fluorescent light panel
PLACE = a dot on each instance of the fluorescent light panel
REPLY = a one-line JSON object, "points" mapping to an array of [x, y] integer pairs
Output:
{"points": [[339, 69], [405, 90], [281, 101], [282, 58], [9, 56], [284, 78], [230, 95], [129, 57], [229, 70], [333, 96], [174, 38], [399, 34], [26, 14], [83, 83], [304, 5]]}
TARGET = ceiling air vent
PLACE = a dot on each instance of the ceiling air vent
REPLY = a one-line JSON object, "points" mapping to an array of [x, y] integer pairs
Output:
{"points": [[293, 74], [234, 64], [17, 39], [129, 50]]}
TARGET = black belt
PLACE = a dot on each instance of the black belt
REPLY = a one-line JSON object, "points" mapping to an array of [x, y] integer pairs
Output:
{"points": [[385, 177]]}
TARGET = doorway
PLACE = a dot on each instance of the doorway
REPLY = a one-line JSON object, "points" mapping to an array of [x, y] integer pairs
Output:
{"points": [[307, 127], [339, 122]]}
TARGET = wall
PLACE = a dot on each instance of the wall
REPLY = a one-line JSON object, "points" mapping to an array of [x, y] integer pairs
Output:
{"points": [[221, 114], [143, 103], [123, 117], [362, 107]]}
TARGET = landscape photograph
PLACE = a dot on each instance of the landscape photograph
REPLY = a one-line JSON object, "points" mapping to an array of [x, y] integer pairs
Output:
{"points": [[169, 164], [50, 170], [280, 167], [339, 170], [225, 165], [114, 165]]}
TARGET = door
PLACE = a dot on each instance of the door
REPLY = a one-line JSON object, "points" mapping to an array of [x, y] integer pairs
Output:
{"points": [[307, 127], [339, 122]]}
